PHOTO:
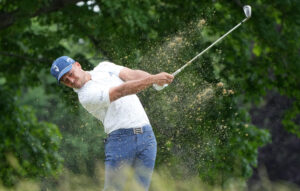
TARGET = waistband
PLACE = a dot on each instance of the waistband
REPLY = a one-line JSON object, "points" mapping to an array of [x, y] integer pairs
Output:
{"points": [[132, 131]]}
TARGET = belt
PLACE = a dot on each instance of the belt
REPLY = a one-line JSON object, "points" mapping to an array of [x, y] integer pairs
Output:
{"points": [[132, 131]]}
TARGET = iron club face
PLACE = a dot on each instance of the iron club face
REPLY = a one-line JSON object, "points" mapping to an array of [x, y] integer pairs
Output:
{"points": [[247, 10]]}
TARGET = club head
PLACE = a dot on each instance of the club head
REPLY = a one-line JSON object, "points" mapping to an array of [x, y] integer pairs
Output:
{"points": [[247, 10]]}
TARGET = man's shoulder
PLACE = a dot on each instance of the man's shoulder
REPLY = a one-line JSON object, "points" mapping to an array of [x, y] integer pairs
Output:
{"points": [[103, 65]]}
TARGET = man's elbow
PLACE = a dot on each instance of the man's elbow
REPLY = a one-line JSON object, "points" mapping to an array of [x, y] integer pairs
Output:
{"points": [[114, 94]]}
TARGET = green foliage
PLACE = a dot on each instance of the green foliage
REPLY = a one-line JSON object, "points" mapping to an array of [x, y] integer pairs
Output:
{"points": [[202, 127], [28, 148], [290, 117], [83, 135], [82, 146]]}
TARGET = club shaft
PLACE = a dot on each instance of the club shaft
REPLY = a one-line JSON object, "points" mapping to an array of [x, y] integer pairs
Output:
{"points": [[189, 62]]}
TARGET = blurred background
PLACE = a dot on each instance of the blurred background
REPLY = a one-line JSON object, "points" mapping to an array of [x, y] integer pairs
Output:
{"points": [[230, 121]]}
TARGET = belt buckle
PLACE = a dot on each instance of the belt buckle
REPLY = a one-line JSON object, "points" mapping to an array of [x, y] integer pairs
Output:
{"points": [[138, 130]]}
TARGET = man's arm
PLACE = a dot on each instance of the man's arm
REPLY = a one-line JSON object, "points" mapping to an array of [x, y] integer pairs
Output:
{"points": [[127, 74], [136, 85]]}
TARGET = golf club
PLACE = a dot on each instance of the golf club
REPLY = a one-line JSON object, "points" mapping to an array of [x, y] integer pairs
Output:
{"points": [[247, 11]]}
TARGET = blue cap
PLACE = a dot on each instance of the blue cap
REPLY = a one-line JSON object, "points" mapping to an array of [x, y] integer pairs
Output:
{"points": [[61, 66]]}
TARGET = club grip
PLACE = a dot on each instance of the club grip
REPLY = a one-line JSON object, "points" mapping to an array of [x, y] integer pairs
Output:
{"points": [[158, 88]]}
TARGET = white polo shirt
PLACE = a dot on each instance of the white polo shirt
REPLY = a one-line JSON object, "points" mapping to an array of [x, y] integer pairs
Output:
{"points": [[125, 112]]}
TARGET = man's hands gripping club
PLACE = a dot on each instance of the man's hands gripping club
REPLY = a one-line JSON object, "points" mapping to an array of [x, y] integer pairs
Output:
{"points": [[161, 85], [163, 78]]}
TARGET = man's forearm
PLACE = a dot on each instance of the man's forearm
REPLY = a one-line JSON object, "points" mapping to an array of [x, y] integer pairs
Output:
{"points": [[135, 86], [140, 74], [128, 74], [131, 87]]}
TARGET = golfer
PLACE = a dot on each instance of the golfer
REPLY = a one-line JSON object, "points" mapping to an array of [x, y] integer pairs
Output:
{"points": [[108, 93]]}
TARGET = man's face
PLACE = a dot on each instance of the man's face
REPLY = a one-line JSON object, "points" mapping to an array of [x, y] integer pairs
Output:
{"points": [[74, 78]]}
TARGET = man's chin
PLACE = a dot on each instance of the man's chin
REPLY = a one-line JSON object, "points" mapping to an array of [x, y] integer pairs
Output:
{"points": [[77, 86]]}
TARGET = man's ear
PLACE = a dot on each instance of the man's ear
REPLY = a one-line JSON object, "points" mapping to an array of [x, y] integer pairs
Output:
{"points": [[77, 64]]}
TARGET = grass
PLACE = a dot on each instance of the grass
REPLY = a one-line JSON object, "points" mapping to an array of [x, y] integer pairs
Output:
{"points": [[162, 180]]}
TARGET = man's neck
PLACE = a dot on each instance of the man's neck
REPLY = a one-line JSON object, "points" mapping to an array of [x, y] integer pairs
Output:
{"points": [[87, 77]]}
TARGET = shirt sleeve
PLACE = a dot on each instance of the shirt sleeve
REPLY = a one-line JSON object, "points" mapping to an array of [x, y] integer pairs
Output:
{"points": [[110, 67], [94, 96]]}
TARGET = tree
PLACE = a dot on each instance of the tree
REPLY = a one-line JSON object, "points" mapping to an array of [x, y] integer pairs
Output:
{"points": [[28, 147], [203, 116]]}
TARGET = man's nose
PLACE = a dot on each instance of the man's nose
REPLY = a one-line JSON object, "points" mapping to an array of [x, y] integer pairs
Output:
{"points": [[70, 79]]}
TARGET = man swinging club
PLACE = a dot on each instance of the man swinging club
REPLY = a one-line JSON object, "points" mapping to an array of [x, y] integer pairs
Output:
{"points": [[108, 93]]}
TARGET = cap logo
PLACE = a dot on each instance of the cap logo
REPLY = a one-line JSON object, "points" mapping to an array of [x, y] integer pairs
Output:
{"points": [[69, 60], [56, 68]]}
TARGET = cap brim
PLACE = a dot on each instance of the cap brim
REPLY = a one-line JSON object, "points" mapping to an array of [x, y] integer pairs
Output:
{"points": [[64, 71]]}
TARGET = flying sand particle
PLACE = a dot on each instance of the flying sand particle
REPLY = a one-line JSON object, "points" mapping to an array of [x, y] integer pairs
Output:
{"points": [[224, 91], [201, 23], [230, 92], [175, 99], [205, 95], [172, 44], [178, 39], [220, 84]]}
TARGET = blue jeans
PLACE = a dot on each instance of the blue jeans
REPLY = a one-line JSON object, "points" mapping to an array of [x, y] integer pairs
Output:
{"points": [[124, 148]]}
